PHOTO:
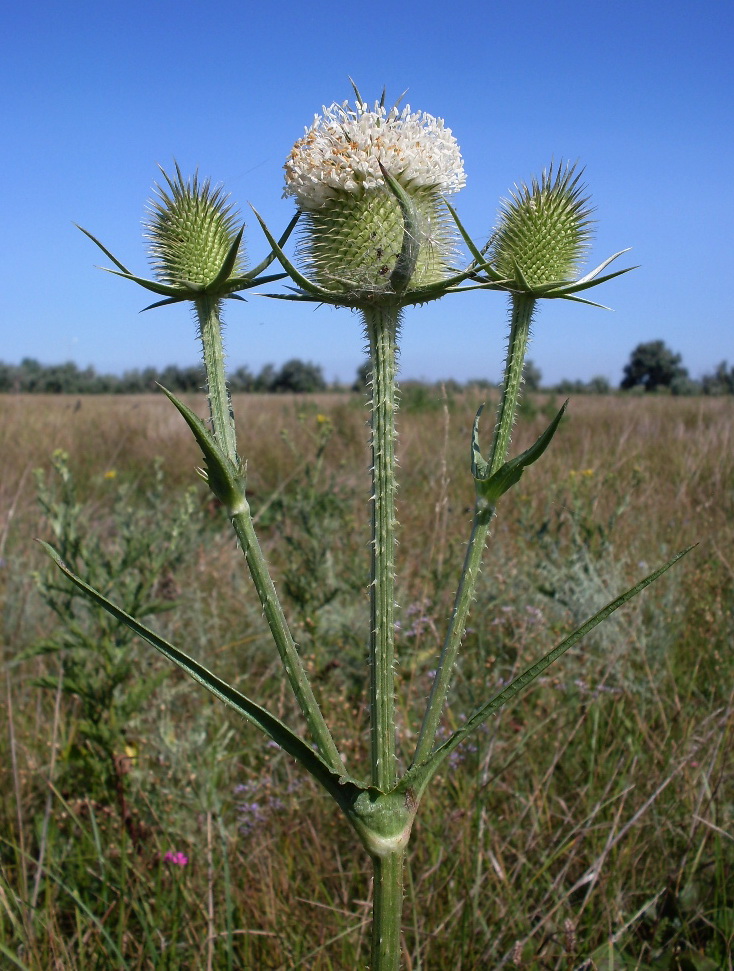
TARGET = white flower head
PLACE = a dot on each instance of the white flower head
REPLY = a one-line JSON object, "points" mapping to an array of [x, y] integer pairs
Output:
{"points": [[342, 151]]}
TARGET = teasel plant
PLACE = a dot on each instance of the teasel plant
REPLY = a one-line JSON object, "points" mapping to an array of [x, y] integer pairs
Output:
{"points": [[542, 234], [197, 255], [377, 234]]}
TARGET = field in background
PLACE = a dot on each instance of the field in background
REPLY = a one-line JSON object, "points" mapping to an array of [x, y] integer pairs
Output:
{"points": [[601, 802]]}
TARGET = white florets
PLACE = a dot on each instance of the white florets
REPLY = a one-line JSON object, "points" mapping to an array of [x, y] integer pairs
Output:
{"points": [[342, 150]]}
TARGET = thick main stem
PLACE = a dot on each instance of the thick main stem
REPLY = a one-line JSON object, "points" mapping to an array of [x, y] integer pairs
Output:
{"points": [[522, 313], [387, 911], [382, 326], [387, 907]]}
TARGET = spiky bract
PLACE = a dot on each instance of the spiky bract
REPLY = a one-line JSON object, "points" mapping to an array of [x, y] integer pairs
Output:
{"points": [[191, 228]]}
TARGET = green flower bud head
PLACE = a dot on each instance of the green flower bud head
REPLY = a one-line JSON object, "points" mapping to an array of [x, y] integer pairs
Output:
{"points": [[192, 230], [195, 245], [355, 222], [543, 232]]}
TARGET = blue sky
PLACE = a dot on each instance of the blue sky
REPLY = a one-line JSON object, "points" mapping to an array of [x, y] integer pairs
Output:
{"points": [[96, 95]]}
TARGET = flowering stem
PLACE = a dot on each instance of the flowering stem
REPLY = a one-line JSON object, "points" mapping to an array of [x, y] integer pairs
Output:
{"points": [[382, 326], [220, 404], [208, 310], [523, 308], [522, 313], [291, 659]]}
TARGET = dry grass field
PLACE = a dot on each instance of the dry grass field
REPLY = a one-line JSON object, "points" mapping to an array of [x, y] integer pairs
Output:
{"points": [[591, 824]]}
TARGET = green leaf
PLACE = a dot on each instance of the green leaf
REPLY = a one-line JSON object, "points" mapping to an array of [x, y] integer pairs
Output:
{"points": [[420, 775], [433, 291], [588, 303], [163, 303], [245, 283], [608, 957], [602, 266], [343, 789], [226, 482], [303, 282], [357, 95], [693, 961], [723, 921], [511, 472], [163, 289], [14, 960], [520, 278], [477, 256], [496, 280]]}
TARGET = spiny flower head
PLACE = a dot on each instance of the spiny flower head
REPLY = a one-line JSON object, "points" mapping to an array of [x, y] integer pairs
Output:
{"points": [[342, 150], [543, 230], [195, 245], [191, 229], [370, 182]]}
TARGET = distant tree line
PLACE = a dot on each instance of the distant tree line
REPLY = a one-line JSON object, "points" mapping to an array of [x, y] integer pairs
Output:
{"points": [[652, 367], [295, 376], [31, 377]]}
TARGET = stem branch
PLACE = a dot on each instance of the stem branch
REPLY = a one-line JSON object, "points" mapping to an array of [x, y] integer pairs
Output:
{"points": [[220, 404], [291, 659], [208, 313], [522, 313]]}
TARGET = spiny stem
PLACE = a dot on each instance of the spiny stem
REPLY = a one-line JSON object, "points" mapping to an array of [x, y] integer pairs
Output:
{"points": [[523, 307], [522, 313], [291, 659], [382, 326], [220, 404], [387, 911], [208, 310]]}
